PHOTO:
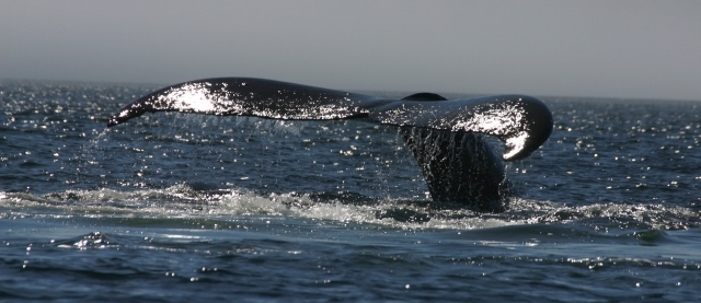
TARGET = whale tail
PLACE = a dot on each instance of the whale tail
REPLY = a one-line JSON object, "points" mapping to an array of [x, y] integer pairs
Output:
{"points": [[444, 135], [459, 167]]}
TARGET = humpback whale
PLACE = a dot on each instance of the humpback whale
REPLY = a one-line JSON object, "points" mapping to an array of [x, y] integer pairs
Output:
{"points": [[445, 136]]}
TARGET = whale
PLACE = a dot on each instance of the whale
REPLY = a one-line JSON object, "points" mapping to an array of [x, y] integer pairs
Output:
{"points": [[446, 137]]}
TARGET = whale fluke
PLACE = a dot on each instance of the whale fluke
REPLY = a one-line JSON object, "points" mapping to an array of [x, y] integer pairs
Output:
{"points": [[444, 135]]}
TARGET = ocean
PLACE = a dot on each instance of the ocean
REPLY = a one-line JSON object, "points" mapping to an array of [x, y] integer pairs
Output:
{"points": [[172, 207]]}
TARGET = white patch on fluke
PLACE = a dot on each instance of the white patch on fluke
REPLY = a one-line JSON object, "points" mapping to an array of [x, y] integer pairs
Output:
{"points": [[514, 145]]}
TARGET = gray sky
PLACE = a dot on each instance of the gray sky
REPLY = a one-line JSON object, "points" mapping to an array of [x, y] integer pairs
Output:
{"points": [[626, 49]]}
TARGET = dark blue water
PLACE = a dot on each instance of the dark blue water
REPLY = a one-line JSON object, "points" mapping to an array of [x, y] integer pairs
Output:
{"points": [[183, 208]]}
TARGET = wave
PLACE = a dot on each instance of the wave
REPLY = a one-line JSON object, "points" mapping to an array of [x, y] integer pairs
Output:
{"points": [[188, 201]]}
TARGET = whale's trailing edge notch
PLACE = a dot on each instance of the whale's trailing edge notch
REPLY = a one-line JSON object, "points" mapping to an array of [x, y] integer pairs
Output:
{"points": [[522, 122]]}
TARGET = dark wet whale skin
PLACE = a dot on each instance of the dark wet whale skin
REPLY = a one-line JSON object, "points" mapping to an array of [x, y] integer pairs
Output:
{"points": [[445, 136]]}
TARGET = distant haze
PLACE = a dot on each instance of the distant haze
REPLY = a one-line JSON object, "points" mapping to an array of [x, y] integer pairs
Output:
{"points": [[624, 49]]}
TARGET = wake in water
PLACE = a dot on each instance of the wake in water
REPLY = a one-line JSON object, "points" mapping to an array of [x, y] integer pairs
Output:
{"points": [[185, 202]]}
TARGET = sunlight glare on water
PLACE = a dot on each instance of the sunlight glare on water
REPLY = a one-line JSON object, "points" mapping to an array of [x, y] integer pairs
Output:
{"points": [[170, 207]]}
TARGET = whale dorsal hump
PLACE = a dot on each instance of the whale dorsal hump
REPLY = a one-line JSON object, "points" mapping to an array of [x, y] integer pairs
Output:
{"points": [[425, 97]]}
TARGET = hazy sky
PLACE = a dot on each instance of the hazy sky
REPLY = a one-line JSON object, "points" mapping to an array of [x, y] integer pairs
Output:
{"points": [[627, 49]]}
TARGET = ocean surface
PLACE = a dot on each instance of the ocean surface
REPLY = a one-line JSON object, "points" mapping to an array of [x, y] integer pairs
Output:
{"points": [[172, 207]]}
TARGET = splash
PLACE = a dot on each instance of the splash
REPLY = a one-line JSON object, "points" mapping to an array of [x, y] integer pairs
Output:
{"points": [[181, 201]]}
